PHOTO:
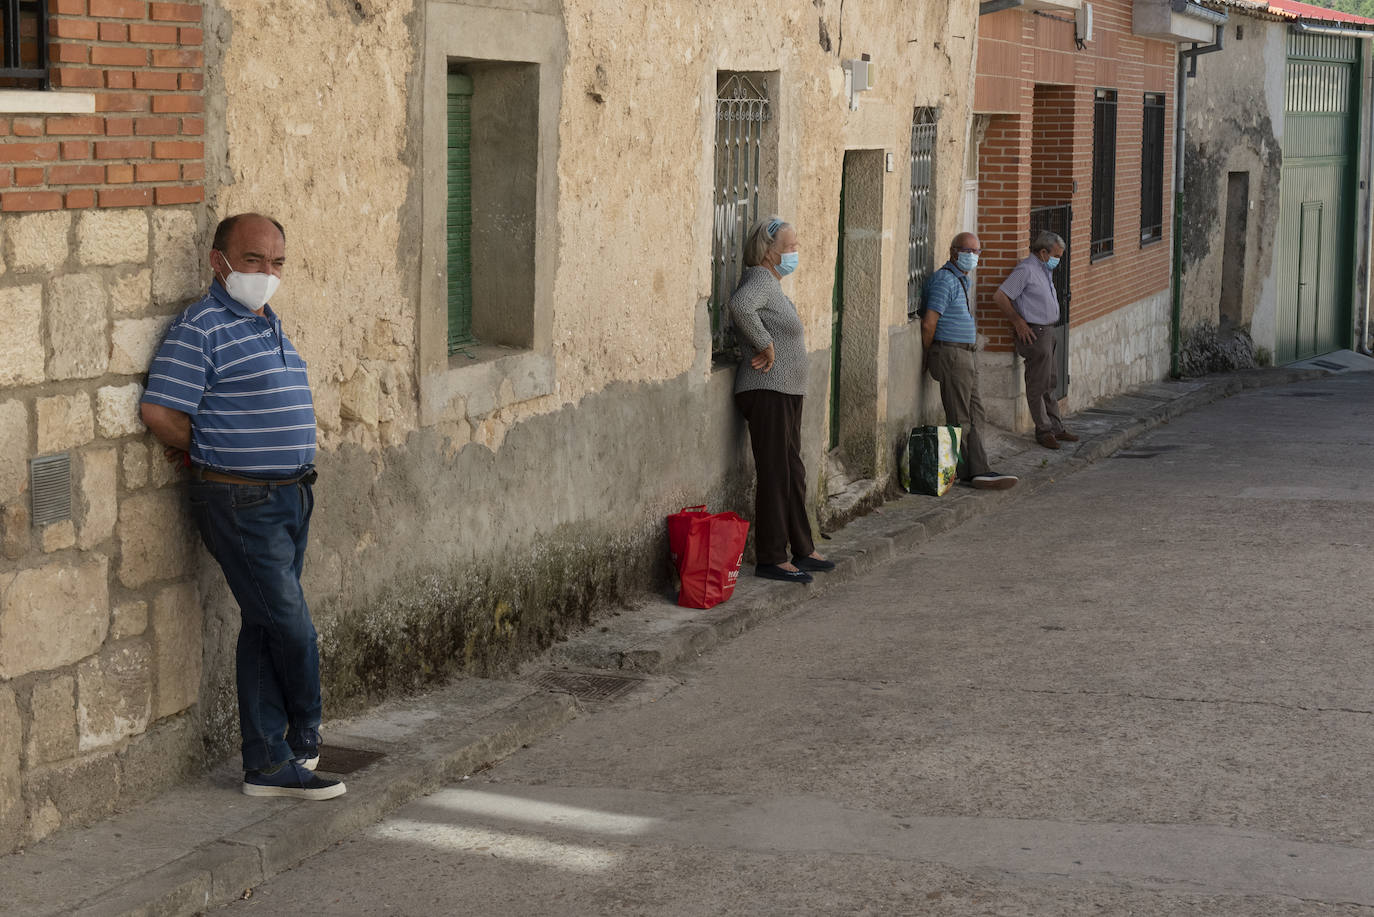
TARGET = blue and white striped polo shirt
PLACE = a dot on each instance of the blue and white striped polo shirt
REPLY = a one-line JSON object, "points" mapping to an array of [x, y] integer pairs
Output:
{"points": [[243, 384], [947, 297]]}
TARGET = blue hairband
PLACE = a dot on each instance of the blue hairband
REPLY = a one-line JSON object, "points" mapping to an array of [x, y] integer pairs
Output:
{"points": [[774, 226]]}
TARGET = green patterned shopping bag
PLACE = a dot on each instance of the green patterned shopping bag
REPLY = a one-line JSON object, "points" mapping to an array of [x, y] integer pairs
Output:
{"points": [[931, 462]]}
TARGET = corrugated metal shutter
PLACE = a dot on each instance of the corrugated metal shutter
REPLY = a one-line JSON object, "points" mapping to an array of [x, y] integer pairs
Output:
{"points": [[459, 211]]}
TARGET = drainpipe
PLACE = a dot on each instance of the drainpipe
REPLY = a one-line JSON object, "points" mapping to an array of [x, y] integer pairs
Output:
{"points": [[1187, 66]]}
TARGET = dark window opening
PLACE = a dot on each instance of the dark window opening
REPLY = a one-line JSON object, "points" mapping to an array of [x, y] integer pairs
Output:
{"points": [[1104, 174], [1152, 170], [24, 44]]}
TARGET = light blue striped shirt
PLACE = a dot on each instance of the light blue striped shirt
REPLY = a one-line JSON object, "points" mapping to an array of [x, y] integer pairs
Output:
{"points": [[243, 384], [947, 297]]}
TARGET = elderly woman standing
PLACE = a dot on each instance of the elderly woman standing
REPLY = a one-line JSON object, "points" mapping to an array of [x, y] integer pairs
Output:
{"points": [[768, 390]]}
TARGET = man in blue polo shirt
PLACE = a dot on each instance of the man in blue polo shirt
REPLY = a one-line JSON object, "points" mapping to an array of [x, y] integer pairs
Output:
{"points": [[228, 391], [1028, 299], [949, 336]]}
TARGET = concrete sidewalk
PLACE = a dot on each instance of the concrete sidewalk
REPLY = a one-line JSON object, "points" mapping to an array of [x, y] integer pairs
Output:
{"points": [[204, 843]]}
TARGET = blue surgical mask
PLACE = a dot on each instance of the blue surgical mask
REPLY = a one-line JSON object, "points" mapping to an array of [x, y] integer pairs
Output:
{"points": [[1052, 263], [966, 261], [788, 264]]}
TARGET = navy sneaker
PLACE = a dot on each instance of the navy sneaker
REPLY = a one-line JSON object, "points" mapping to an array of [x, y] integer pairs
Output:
{"points": [[292, 780]]}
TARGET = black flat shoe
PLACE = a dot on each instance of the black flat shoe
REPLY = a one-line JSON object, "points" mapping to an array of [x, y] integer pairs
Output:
{"points": [[773, 571], [811, 563]]}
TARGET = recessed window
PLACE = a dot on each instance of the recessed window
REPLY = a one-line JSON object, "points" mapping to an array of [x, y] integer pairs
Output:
{"points": [[1152, 169], [492, 165], [1104, 174]]}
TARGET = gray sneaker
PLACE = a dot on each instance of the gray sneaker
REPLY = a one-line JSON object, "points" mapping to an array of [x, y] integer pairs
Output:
{"points": [[991, 480]]}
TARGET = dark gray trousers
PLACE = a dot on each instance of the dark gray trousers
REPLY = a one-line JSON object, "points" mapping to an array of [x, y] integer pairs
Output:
{"points": [[1042, 378], [780, 500]]}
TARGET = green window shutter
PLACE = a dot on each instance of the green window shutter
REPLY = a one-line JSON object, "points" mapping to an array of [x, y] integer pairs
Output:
{"points": [[459, 211]]}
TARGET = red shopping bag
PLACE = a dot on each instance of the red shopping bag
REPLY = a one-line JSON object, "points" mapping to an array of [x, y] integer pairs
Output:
{"points": [[707, 549]]}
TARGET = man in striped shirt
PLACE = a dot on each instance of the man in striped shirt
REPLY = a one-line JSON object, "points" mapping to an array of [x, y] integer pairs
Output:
{"points": [[949, 336], [228, 392]]}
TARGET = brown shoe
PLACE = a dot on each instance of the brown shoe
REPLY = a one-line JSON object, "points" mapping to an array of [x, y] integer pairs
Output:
{"points": [[1064, 436], [1047, 440]]}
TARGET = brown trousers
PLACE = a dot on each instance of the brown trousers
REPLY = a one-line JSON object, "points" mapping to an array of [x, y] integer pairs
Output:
{"points": [[1042, 378], [780, 500]]}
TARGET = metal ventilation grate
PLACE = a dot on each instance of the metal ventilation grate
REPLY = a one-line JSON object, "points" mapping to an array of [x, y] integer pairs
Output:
{"points": [[50, 482]]}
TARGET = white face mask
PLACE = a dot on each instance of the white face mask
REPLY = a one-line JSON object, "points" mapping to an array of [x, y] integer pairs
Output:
{"points": [[252, 290]]}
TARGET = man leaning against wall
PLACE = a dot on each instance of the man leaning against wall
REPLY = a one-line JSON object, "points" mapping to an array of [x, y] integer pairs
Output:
{"points": [[228, 392], [949, 336]]}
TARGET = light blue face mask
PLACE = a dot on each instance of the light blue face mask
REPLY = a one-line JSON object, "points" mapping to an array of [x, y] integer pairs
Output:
{"points": [[1052, 263], [788, 264], [967, 261]]}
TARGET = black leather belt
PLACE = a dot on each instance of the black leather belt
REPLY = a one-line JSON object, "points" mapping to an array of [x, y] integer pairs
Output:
{"points": [[201, 473]]}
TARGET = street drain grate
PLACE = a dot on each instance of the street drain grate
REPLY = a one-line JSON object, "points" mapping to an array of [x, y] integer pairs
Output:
{"points": [[1327, 364], [336, 759], [588, 687], [1308, 394]]}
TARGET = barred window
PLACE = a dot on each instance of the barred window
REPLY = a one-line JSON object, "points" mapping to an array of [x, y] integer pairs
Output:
{"points": [[746, 179], [1152, 169], [1104, 174], [23, 44], [920, 252]]}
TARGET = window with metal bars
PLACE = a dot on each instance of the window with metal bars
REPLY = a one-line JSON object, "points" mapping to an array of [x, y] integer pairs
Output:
{"points": [[1103, 241], [459, 211], [920, 251], [23, 44], [1152, 169], [746, 176]]}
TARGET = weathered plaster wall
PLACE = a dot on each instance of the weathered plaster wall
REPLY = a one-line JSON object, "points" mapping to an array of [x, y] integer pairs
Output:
{"points": [[534, 495], [1231, 129]]}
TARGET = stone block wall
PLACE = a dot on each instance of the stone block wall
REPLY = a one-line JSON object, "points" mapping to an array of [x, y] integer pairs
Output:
{"points": [[100, 635], [100, 622]]}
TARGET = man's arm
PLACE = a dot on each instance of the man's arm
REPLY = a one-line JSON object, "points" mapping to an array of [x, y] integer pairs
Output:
{"points": [[928, 323], [171, 427], [1018, 324]]}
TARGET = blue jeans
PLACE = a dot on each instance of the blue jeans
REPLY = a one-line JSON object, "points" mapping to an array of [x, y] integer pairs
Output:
{"points": [[257, 533]]}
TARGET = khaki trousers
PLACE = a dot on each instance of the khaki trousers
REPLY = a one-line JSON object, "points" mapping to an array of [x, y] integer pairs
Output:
{"points": [[956, 370]]}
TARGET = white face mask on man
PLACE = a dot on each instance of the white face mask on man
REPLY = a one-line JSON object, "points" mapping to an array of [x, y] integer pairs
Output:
{"points": [[252, 290]]}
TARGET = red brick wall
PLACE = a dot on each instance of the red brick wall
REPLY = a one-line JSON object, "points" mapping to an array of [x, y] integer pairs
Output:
{"points": [[144, 144], [1039, 151]]}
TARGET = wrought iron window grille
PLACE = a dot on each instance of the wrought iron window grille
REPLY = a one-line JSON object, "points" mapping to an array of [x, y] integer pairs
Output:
{"points": [[1104, 175], [24, 44], [1152, 170], [920, 251], [742, 110]]}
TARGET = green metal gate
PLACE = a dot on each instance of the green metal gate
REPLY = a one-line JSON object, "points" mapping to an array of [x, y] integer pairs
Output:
{"points": [[1317, 218]]}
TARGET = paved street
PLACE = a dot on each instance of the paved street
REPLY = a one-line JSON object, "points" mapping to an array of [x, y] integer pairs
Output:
{"points": [[1144, 689]]}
